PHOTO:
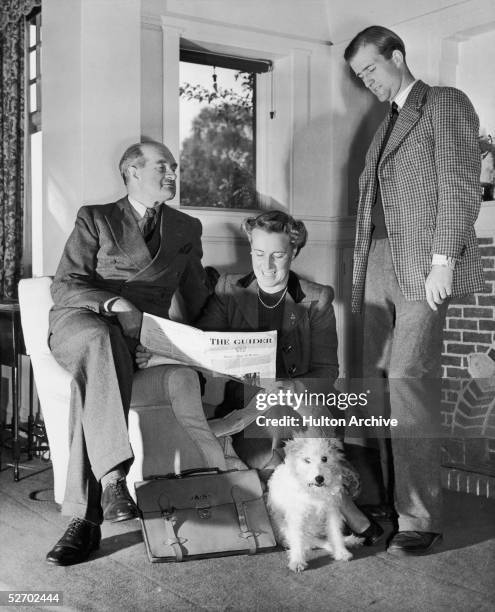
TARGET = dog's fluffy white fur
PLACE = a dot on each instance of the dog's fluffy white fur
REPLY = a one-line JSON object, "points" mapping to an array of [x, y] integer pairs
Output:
{"points": [[304, 499]]}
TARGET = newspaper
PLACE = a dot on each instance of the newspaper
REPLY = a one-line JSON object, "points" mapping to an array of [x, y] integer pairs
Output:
{"points": [[248, 356], [236, 421]]}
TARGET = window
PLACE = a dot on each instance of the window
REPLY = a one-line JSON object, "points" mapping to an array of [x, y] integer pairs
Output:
{"points": [[291, 103], [218, 129], [32, 206]]}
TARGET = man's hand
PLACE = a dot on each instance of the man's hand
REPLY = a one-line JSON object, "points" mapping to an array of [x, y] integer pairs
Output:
{"points": [[129, 317], [438, 285], [142, 356]]}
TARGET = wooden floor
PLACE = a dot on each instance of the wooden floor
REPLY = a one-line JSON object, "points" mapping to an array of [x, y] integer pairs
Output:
{"points": [[460, 576]]}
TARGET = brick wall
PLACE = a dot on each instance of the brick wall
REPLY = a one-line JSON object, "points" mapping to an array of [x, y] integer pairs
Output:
{"points": [[469, 328]]}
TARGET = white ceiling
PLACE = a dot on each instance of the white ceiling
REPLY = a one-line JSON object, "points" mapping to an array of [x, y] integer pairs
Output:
{"points": [[334, 20], [347, 17]]}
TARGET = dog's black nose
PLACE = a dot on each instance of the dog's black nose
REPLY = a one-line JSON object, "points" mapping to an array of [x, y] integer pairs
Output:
{"points": [[319, 479]]}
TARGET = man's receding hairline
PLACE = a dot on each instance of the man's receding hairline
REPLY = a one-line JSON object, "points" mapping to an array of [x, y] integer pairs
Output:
{"points": [[157, 146]]}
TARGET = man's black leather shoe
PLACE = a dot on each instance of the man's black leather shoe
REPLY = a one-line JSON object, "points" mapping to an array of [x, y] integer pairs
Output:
{"points": [[117, 503], [405, 543], [77, 543]]}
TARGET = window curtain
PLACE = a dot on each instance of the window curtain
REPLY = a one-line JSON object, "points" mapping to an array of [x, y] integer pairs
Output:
{"points": [[13, 15]]}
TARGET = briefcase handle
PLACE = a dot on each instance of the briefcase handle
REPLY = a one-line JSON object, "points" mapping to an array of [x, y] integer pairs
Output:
{"points": [[190, 472]]}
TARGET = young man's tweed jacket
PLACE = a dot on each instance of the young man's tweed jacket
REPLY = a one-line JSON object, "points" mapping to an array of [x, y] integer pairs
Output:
{"points": [[429, 178]]}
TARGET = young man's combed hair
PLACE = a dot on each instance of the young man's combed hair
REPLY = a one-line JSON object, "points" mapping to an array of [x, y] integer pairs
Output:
{"points": [[384, 39]]}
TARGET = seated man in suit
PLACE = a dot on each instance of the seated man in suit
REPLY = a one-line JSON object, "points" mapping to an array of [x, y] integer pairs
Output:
{"points": [[121, 259]]}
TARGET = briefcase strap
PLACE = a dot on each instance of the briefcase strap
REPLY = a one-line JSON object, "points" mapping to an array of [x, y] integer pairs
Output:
{"points": [[240, 507], [172, 538]]}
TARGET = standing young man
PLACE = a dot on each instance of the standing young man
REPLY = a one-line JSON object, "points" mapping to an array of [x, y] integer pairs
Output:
{"points": [[415, 248]]}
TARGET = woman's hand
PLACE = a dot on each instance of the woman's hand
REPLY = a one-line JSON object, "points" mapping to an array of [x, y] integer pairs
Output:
{"points": [[142, 356], [284, 384], [288, 391]]}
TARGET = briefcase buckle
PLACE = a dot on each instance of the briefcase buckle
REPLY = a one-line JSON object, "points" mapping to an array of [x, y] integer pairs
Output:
{"points": [[204, 513]]}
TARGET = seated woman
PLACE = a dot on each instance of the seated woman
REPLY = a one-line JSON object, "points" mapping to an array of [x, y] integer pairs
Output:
{"points": [[272, 297]]}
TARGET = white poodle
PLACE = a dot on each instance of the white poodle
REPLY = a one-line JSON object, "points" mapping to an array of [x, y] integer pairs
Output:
{"points": [[304, 496]]}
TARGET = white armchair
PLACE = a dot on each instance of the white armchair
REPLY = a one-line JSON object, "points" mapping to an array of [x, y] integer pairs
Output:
{"points": [[154, 430]]}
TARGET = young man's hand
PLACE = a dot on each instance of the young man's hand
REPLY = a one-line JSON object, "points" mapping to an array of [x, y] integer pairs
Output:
{"points": [[438, 285]]}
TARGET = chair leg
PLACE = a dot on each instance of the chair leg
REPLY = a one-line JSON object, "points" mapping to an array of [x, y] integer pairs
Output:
{"points": [[16, 445], [30, 423]]}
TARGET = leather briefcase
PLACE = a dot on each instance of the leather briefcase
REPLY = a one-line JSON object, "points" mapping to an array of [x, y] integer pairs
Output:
{"points": [[203, 513]]}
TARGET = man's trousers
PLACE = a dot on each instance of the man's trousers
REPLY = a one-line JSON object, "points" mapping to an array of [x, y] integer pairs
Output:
{"points": [[92, 348], [402, 355]]}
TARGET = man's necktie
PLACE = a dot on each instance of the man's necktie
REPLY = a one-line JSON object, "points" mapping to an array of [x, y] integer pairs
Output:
{"points": [[377, 214], [394, 113], [149, 223]]}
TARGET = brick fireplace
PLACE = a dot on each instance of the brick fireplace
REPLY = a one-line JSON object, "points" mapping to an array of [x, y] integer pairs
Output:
{"points": [[468, 393]]}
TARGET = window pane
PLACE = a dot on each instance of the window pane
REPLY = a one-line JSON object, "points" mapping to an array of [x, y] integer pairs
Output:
{"points": [[33, 102], [217, 156], [32, 34], [32, 64]]}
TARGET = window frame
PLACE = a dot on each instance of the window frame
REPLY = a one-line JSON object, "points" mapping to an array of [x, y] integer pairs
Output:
{"points": [[287, 91], [32, 126], [34, 117]]}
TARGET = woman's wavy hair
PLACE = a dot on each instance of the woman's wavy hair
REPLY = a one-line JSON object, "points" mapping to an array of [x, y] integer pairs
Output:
{"points": [[280, 223]]}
